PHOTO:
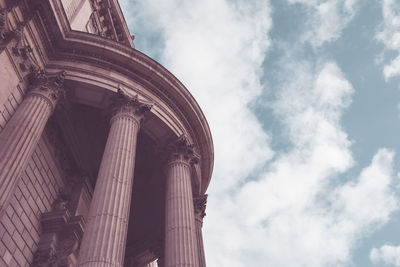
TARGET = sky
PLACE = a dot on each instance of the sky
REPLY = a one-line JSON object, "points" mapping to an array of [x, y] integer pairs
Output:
{"points": [[303, 102]]}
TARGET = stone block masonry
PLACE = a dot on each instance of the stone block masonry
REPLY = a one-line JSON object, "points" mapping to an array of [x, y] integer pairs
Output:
{"points": [[35, 193]]}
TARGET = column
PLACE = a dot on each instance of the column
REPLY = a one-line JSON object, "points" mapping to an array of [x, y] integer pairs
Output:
{"points": [[199, 211], [23, 131], [104, 240], [180, 232]]}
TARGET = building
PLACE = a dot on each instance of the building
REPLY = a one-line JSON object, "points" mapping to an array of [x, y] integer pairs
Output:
{"points": [[105, 157]]}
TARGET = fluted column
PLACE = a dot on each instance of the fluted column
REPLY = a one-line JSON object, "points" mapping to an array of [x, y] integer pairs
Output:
{"points": [[180, 232], [200, 211], [104, 239], [22, 132]]}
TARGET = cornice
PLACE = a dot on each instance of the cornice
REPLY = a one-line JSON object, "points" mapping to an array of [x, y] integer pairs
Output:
{"points": [[63, 43]]}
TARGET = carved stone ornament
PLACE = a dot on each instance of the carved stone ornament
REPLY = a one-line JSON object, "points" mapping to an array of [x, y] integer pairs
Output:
{"points": [[182, 149], [46, 256], [61, 203], [61, 235], [123, 104], [4, 25], [200, 203], [22, 51], [48, 86], [6, 32]]}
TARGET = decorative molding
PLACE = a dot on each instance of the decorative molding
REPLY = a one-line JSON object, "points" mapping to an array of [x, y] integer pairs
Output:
{"points": [[7, 34], [200, 204], [182, 150], [4, 25], [23, 53], [131, 106], [61, 235], [49, 87]]}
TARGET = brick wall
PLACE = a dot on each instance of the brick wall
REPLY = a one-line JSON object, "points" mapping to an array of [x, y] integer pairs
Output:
{"points": [[37, 189]]}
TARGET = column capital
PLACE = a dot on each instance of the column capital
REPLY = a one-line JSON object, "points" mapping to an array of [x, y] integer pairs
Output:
{"points": [[200, 203], [181, 150], [128, 106], [47, 86]]}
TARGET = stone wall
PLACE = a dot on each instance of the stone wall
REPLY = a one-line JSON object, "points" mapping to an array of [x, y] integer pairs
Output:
{"points": [[37, 190]]}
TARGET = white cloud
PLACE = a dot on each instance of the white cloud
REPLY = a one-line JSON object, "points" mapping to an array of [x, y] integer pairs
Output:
{"points": [[297, 212], [326, 19], [292, 215], [390, 35], [216, 48], [387, 254]]}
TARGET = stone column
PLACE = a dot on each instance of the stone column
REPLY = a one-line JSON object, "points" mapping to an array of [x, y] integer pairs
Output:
{"points": [[105, 236], [180, 232], [199, 211], [23, 131]]}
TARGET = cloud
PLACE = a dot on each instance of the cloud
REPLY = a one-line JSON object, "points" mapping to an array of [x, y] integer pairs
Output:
{"points": [[216, 48], [271, 208], [326, 19], [387, 254], [389, 35], [297, 213]]}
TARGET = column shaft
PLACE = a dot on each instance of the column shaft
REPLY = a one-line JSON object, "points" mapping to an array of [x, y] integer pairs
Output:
{"points": [[180, 232], [105, 236], [200, 245], [22, 133], [199, 210]]}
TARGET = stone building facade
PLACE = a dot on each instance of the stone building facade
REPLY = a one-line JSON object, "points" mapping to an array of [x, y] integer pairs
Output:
{"points": [[105, 157]]}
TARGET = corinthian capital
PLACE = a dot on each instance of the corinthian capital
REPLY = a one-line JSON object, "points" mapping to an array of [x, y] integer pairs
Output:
{"points": [[131, 106], [48, 86], [182, 150], [200, 203]]}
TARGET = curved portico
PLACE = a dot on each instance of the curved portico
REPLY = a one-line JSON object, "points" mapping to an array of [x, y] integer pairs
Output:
{"points": [[174, 113], [159, 127], [144, 203]]}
